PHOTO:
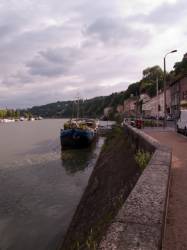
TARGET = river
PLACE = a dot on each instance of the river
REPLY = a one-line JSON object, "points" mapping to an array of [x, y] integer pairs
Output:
{"points": [[40, 186]]}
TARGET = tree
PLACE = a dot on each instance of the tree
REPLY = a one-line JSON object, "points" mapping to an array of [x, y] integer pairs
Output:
{"points": [[17, 114], [180, 68], [133, 89], [148, 82]]}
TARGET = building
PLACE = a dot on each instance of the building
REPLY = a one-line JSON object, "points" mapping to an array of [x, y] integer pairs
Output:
{"points": [[130, 107], [178, 95], [154, 107], [120, 109], [107, 111]]}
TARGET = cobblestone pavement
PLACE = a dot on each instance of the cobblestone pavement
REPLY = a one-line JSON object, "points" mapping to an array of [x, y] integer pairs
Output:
{"points": [[176, 228]]}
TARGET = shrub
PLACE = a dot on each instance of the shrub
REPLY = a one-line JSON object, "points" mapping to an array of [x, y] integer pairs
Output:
{"points": [[142, 158]]}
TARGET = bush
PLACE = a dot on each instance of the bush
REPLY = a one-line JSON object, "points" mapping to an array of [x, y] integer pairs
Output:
{"points": [[142, 158], [152, 123]]}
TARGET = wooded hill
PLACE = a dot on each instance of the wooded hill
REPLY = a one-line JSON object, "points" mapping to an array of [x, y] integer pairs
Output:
{"points": [[94, 107], [87, 108]]}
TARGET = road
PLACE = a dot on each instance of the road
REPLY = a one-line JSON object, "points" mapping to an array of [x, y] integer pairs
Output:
{"points": [[176, 228]]}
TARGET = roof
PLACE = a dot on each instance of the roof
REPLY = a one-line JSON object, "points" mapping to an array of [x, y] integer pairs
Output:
{"points": [[177, 79]]}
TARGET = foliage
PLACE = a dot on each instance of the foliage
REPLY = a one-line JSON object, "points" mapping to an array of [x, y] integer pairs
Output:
{"points": [[148, 82], [9, 113], [132, 90], [142, 158], [180, 68], [118, 118], [115, 133], [152, 123], [87, 108]]}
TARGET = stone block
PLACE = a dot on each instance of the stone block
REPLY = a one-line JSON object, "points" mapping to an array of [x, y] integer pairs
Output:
{"points": [[140, 237], [146, 203], [113, 237], [161, 157]]}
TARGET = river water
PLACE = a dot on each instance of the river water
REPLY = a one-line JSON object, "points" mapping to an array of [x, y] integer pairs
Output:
{"points": [[40, 186]]}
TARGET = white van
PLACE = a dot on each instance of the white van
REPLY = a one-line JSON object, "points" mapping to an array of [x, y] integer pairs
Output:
{"points": [[182, 122]]}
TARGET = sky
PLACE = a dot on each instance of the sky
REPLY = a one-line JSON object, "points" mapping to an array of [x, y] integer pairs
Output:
{"points": [[52, 50]]}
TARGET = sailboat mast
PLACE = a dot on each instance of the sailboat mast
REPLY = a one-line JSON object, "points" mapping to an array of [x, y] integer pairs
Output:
{"points": [[77, 107]]}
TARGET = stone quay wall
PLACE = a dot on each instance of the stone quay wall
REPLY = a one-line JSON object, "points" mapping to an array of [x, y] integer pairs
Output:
{"points": [[140, 223]]}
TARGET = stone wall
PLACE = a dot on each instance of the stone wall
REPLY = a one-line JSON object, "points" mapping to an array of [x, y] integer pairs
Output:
{"points": [[140, 222]]}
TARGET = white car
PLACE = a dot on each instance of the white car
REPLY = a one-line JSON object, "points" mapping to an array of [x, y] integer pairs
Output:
{"points": [[182, 122]]}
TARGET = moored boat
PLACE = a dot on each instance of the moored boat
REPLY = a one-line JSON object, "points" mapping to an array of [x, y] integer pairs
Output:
{"points": [[78, 133], [6, 120]]}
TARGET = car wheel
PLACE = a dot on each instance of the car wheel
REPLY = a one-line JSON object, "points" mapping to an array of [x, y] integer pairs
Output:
{"points": [[185, 131], [178, 131]]}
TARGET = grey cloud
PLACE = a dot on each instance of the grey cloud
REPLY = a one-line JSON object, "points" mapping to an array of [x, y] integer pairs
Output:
{"points": [[45, 94], [61, 55], [20, 78], [117, 31], [6, 30], [54, 62], [169, 13], [90, 43], [41, 67], [166, 14]]}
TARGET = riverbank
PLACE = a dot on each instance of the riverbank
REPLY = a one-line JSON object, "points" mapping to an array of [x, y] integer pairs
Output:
{"points": [[112, 179]]}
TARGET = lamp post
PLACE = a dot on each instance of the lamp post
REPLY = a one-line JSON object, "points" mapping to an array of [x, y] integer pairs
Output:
{"points": [[165, 111]]}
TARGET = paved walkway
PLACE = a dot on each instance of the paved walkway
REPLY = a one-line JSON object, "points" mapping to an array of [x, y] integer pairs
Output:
{"points": [[176, 228]]}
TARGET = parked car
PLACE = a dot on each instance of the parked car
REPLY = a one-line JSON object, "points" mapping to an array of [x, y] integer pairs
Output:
{"points": [[182, 122], [169, 118], [132, 123]]}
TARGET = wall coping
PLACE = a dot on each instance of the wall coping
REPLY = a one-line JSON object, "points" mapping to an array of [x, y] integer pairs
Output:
{"points": [[140, 223]]}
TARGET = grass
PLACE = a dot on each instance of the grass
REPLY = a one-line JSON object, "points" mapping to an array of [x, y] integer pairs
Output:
{"points": [[142, 158], [116, 132]]}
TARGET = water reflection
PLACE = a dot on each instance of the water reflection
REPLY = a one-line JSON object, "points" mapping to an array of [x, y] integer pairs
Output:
{"points": [[37, 194], [74, 160]]}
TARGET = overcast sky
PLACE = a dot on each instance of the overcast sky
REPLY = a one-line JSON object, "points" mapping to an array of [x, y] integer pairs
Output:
{"points": [[51, 50]]}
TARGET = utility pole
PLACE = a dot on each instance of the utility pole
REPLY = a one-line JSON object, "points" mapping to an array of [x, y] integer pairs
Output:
{"points": [[165, 110], [165, 113], [157, 99], [77, 107]]}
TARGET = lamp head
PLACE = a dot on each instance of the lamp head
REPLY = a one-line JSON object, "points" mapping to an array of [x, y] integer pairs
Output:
{"points": [[173, 51]]}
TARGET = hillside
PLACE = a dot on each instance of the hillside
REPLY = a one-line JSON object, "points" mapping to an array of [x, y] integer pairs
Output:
{"points": [[87, 108], [94, 107]]}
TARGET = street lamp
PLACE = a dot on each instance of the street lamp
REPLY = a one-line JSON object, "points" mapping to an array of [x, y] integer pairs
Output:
{"points": [[165, 111]]}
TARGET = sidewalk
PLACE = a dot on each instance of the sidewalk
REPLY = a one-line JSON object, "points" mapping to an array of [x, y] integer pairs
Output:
{"points": [[176, 228]]}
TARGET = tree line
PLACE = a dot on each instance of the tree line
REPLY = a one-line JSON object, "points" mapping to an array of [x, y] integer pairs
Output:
{"points": [[14, 114]]}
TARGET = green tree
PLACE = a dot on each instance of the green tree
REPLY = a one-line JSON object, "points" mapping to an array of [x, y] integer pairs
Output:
{"points": [[148, 82], [180, 68], [17, 114]]}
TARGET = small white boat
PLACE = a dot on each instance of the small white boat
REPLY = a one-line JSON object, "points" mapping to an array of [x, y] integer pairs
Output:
{"points": [[22, 119], [32, 119], [6, 120]]}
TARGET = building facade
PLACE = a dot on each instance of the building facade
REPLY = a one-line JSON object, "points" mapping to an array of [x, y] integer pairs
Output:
{"points": [[107, 111], [120, 109], [130, 107], [154, 107], [178, 95]]}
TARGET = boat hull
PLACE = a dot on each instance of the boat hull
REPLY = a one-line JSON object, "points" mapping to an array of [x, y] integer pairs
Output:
{"points": [[76, 138]]}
